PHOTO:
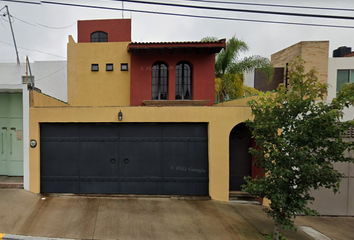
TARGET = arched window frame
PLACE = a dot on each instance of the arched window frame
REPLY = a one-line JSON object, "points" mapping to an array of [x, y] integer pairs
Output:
{"points": [[159, 81], [183, 81], [99, 36]]}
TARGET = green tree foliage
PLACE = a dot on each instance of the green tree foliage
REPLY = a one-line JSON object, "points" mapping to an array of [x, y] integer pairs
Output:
{"points": [[229, 69], [298, 138]]}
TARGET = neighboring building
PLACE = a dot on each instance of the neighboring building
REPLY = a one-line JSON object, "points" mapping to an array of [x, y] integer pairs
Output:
{"points": [[138, 120], [335, 71], [14, 110]]}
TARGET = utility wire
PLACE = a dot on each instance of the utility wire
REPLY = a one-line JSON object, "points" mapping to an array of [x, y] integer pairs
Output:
{"points": [[42, 25], [199, 16], [34, 50], [273, 5], [21, 2], [40, 79], [237, 10]]}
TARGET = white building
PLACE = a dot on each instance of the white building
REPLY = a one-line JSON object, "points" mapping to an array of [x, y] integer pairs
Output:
{"points": [[50, 77]]}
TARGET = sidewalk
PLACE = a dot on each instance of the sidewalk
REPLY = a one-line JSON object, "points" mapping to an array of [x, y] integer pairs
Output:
{"points": [[77, 217]]}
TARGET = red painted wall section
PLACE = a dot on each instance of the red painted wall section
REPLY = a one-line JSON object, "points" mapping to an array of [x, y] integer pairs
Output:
{"points": [[203, 81], [118, 30]]}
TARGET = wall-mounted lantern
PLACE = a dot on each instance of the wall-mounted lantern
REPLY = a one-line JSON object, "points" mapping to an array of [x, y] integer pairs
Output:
{"points": [[33, 143], [120, 116]]}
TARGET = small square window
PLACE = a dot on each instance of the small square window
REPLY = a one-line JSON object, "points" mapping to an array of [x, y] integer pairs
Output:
{"points": [[124, 66], [109, 67], [94, 67], [30, 79]]}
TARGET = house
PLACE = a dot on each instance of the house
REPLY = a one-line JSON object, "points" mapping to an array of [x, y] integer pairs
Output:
{"points": [[14, 110], [139, 119]]}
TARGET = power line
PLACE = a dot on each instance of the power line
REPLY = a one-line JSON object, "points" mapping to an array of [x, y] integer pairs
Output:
{"points": [[40, 79], [238, 10], [34, 50], [273, 5], [21, 2], [199, 16]]}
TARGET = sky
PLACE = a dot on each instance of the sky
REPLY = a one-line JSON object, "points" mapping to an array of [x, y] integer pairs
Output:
{"points": [[41, 30]]}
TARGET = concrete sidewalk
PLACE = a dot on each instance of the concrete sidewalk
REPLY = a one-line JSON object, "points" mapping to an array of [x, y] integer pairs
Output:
{"points": [[77, 217]]}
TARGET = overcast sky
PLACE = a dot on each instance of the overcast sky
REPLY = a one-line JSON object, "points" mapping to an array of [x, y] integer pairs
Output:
{"points": [[43, 43]]}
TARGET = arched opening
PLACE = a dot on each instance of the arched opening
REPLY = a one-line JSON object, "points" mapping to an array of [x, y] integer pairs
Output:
{"points": [[99, 36], [240, 158], [159, 81], [183, 81]]}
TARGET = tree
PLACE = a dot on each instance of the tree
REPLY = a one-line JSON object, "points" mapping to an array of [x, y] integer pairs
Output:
{"points": [[229, 69], [298, 138]]}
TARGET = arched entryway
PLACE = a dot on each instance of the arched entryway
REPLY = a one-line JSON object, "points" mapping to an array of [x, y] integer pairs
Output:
{"points": [[240, 158]]}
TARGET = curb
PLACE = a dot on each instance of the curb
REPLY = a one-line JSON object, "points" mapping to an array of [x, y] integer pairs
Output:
{"points": [[4, 236]]}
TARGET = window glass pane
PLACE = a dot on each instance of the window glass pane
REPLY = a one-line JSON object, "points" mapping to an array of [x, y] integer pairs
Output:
{"points": [[159, 82], [351, 76], [342, 77]]}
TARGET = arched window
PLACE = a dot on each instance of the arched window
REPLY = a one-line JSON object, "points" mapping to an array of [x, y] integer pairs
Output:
{"points": [[183, 81], [159, 81], [99, 36]]}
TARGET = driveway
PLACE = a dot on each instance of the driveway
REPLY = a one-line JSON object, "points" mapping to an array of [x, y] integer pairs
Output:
{"points": [[87, 217]]}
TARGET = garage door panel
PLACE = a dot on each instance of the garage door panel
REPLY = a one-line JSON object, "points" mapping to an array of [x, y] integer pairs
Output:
{"points": [[99, 130], [99, 159], [140, 130], [175, 158], [59, 185], [59, 130], [59, 158], [99, 185], [141, 186], [140, 159], [121, 158]]}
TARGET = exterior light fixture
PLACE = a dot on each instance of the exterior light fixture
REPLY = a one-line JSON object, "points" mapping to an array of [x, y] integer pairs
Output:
{"points": [[120, 116], [124, 66], [33, 143]]}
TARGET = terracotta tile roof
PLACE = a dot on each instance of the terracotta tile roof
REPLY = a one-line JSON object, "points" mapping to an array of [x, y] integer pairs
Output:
{"points": [[216, 46]]}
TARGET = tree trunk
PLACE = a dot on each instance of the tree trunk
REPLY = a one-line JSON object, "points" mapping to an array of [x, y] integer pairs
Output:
{"points": [[276, 231]]}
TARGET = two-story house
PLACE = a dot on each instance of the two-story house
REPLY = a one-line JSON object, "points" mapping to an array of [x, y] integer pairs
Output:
{"points": [[139, 119]]}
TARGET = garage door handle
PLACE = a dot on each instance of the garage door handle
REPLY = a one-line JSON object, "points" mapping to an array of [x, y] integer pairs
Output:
{"points": [[126, 160], [10, 143], [2, 142]]}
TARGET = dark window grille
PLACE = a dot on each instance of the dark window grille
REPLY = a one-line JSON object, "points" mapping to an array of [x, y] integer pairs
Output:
{"points": [[99, 37], [94, 67], [109, 67], [159, 81], [183, 81]]}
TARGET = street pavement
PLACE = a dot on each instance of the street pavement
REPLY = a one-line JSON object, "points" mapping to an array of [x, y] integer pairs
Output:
{"points": [[89, 217]]}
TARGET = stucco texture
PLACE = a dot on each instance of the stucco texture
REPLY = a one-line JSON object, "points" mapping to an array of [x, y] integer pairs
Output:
{"points": [[220, 121]]}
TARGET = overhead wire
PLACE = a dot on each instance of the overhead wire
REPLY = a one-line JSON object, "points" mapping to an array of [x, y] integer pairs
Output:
{"points": [[40, 79], [239, 10], [34, 50], [273, 5], [199, 16]]}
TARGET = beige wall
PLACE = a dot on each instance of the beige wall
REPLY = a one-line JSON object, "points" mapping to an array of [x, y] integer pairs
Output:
{"points": [[221, 120], [102, 88], [315, 54]]}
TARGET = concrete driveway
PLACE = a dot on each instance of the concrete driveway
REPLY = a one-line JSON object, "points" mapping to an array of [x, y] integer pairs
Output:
{"points": [[79, 217]]}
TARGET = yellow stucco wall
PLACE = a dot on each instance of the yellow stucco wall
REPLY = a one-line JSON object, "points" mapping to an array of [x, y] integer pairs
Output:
{"points": [[102, 88], [221, 120], [41, 100]]}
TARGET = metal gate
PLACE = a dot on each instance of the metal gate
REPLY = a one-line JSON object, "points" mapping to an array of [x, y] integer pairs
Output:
{"points": [[163, 158]]}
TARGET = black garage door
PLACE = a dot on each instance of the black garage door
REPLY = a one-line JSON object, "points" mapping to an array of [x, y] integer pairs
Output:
{"points": [[164, 158]]}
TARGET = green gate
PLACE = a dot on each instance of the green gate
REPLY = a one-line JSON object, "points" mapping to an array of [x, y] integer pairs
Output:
{"points": [[11, 134]]}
